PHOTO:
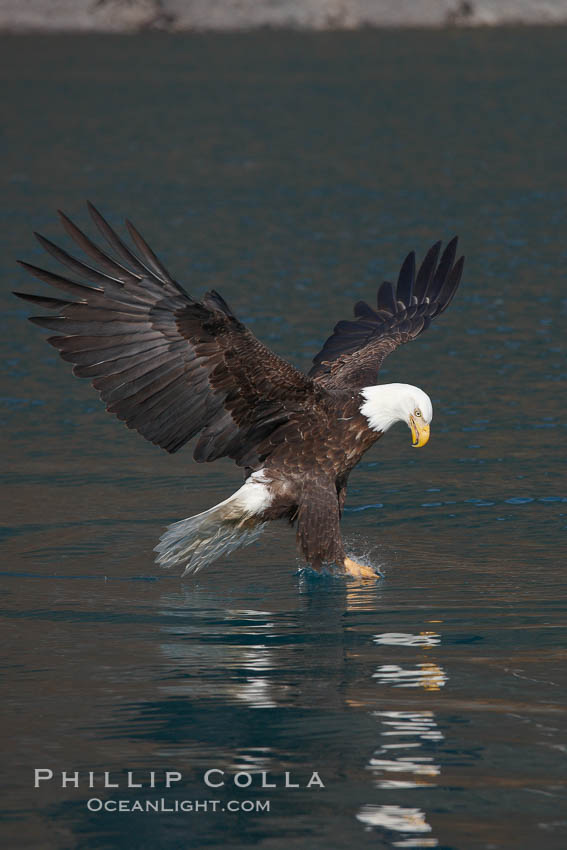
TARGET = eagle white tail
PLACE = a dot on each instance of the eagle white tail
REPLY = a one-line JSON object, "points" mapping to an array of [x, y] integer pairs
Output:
{"points": [[202, 539]]}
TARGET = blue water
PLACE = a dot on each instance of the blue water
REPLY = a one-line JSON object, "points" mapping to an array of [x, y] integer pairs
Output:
{"points": [[293, 173]]}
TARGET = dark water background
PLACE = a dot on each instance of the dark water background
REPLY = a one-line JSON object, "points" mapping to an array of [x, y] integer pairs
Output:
{"points": [[293, 173]]}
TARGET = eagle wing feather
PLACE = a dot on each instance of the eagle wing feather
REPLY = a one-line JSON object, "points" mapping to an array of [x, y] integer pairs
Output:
{"points": [[167, 365], [353, 354]]}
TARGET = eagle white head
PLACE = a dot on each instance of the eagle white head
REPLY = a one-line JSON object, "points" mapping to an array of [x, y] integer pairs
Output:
{"points": [[390, 403]]}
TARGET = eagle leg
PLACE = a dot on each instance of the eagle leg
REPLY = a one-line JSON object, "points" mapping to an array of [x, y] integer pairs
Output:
{"points": [[318, 523], [318, 530]]}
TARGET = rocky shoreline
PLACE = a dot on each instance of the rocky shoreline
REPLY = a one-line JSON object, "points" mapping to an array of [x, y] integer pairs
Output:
{"points": [[130, 16]]}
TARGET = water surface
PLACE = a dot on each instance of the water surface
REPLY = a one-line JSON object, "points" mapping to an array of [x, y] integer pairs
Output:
{"points": [[293, 173]]}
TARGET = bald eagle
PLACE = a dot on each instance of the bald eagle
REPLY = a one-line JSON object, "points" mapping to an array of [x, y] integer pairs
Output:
{"points": [[172, 367]]}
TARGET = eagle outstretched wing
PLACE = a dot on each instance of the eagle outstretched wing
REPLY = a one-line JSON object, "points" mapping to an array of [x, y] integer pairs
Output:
{"points": [[167, 365], [353, 354]]}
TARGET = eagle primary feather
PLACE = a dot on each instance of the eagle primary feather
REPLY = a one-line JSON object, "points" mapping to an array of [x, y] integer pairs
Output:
{"points": [[172, 368]]}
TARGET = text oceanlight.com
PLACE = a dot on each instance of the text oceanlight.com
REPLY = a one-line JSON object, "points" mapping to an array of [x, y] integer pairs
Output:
{"points": [[131, 790], [161, 805]]}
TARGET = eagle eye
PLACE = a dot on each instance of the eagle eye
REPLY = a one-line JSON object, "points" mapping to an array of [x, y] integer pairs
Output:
{"points": [[417, 412]]}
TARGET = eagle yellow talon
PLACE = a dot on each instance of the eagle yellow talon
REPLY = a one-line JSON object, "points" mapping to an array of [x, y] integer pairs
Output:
{"points": [[353, 568]]}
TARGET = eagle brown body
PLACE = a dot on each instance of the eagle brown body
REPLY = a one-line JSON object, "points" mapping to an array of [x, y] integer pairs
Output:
{"points": [[309, 467], [172, 368]]}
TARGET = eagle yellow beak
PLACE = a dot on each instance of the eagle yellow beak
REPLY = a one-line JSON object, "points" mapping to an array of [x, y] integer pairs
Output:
{"points": [[419, 433]]}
